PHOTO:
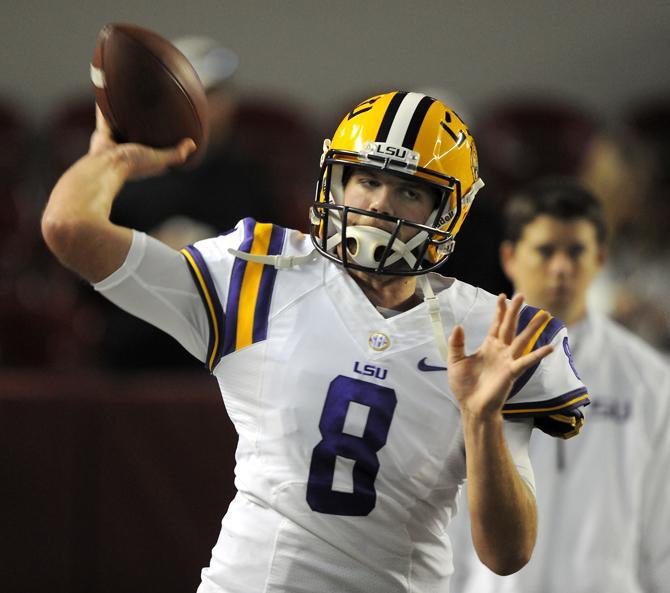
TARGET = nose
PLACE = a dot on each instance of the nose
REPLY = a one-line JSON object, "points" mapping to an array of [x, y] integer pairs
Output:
{"points": [[382, 201], [561, 264]]}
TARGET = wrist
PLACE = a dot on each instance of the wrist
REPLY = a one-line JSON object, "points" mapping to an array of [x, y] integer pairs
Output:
{"points": [[482, 427], [481, 415]]}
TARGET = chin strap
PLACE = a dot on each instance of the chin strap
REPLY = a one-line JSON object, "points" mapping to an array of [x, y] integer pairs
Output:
{"points": [[280, 262], [433, 306]]}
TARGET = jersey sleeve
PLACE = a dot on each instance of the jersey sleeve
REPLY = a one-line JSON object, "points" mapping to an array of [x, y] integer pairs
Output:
{"points": [[517, 436], [154, 285], [236, 294], [551, 391]]}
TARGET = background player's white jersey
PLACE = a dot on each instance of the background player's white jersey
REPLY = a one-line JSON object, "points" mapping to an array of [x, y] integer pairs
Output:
{"points": [[350, 453], [604, 516]]}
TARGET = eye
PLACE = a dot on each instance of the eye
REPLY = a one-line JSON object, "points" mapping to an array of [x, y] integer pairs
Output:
{"points": [[369, 182], [545, 251], [576, 251], [411, 194]]}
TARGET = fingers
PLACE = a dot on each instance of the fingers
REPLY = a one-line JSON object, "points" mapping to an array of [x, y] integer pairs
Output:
{"points": [[185, 148], [456, 345], [501, 307], [510, 319], [531, 359], [101, 124], [144, 161], [102, 138], [522, 342], [169, 157]]}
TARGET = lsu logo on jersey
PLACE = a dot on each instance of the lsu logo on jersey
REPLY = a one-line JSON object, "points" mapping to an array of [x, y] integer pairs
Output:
{"points": [[370, 370]]}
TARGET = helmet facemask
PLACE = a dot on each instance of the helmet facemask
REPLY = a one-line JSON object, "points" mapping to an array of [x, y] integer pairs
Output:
{"points": [[371, 249], [417, 138]]}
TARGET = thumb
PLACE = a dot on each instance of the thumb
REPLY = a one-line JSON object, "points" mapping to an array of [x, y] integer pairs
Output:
{"points": [[456, 345], [178, 154], [144, 161]]}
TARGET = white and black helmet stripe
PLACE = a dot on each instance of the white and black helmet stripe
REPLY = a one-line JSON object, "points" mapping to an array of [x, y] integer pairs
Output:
{"points": [[403, 118]]}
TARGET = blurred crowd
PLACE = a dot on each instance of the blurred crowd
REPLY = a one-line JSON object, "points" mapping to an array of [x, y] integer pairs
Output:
{"points": [[263, 161]]}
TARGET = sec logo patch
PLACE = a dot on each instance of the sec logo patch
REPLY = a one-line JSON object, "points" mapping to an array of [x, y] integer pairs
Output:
{"points": [[379, 341]]}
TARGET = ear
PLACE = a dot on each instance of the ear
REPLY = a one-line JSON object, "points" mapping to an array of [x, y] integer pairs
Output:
{"points": [[507, 259]]}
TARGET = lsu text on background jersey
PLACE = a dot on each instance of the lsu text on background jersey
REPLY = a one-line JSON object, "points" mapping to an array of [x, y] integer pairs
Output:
{"points": [[350, 453]]}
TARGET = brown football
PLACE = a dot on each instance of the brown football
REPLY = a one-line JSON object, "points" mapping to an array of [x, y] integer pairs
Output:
{"points": [[147, 90]]}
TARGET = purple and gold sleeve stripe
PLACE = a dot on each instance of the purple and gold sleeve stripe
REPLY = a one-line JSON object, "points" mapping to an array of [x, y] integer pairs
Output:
{"points": [[251, 286], [544, 335], [215, 317], [559, 416]]}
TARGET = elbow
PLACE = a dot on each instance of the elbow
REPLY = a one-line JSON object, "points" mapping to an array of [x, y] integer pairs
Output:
{"points": [[70, 239], [59, 235]]}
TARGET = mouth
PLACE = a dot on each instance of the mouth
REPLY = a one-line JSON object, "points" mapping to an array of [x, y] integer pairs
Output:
{"points": [[560, 292], [370, 221]]}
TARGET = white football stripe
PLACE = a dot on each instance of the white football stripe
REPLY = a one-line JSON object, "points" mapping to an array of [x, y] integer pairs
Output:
{"points": [[97, 77], [402, 118]]}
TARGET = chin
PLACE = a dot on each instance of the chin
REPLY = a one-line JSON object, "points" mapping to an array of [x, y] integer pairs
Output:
{"points": [[558, 307]]}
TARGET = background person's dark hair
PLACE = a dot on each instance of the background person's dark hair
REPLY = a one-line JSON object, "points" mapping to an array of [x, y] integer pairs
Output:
{"points": [[564, 199]]}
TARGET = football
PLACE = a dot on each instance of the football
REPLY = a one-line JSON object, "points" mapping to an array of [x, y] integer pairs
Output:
{"points": [[147, 90]]}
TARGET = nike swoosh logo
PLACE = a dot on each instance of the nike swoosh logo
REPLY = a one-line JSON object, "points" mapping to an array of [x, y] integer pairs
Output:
{"points": [[423, 366]]}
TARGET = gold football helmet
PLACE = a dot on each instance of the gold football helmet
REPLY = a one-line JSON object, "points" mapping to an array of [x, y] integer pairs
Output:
{"points": [[407, 134]]}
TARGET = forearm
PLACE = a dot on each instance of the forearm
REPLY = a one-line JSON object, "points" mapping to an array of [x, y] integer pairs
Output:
{"points": [[76, 224], [501, 506]]}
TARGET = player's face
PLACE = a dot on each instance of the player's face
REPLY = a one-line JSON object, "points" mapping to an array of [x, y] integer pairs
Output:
{"points": [[390, 194], [554, 263]]}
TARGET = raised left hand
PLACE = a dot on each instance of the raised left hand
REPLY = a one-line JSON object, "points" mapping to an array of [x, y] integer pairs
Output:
{"points": [[483, 380]]}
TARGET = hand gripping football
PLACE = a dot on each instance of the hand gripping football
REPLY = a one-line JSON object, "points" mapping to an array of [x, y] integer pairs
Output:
{"points": [[147, 90]]}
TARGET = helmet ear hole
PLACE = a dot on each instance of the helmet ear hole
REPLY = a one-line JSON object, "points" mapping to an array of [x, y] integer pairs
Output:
{"points": [[352, 246], [379, 252]]}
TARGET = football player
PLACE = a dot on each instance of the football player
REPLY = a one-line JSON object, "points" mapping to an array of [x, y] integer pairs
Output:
{"points": [[602, 498], [358, 419]]}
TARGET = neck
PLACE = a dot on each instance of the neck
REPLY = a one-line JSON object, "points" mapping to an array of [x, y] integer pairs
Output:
{"points": [[390, 292], [575, 316]]}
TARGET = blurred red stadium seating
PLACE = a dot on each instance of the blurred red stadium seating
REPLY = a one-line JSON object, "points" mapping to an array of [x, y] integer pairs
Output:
{"points": [[282, 135], [524, 138]]}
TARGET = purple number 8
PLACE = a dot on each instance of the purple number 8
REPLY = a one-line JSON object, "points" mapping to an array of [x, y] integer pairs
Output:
{"points": [[381, 402]]}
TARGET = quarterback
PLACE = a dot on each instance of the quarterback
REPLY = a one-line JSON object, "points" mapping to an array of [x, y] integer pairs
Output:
{"points": [[364, 387]]}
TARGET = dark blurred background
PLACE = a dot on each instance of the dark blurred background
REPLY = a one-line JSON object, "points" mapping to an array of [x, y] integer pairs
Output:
{"points": [[116, 452]]}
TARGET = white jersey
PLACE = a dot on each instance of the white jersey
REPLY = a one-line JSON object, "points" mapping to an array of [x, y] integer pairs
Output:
{"points": [[604, 516], [350, 453]]}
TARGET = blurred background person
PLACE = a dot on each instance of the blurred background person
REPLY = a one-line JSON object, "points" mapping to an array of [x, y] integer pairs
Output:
{"points": [[524, 137], [602, 498], [626, 167]]}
